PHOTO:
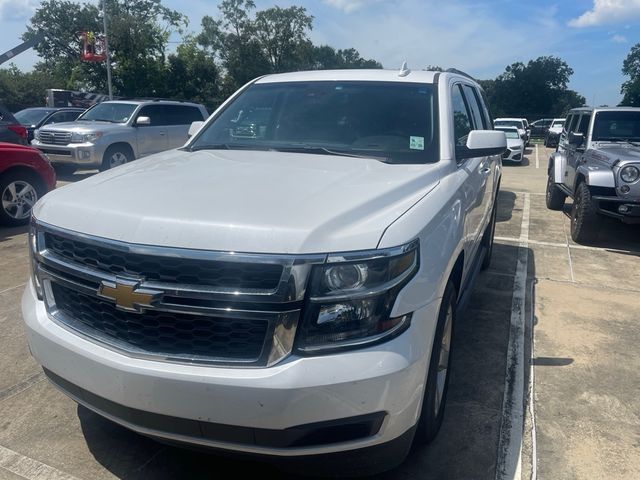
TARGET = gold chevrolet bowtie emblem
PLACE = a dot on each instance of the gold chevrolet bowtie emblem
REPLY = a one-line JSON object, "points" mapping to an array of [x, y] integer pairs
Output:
{"points": [[127, 296]]}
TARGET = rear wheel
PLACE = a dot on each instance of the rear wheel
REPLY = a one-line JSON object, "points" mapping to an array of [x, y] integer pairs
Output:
{"points": [[435, 393], [555, 196], [19, 192], [585, 221], [114, 157]]}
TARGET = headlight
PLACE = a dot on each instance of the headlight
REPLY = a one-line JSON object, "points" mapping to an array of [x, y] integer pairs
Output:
{"points": [[350, 301], [33, 249], [629, 174], [516, 147], [85, 137], [36, 134]]}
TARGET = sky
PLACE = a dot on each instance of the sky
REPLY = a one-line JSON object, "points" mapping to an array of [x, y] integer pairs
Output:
{"points": [[480, 37]]}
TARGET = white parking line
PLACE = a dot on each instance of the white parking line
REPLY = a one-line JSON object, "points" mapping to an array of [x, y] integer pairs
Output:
{"points": [[537, 158], [29, 468], [509, 462], [532, 384]]}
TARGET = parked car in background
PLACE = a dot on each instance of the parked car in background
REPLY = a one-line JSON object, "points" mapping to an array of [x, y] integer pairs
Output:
{"points": [[36, 117], [25, 176], [515, 144], [539, 128], [116, 132], [288, 282], [527, 128], [554, 132], [11, 130], [598, 165], [513, 122]]}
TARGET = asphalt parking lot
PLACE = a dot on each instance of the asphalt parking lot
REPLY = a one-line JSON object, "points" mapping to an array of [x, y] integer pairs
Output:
{"points": [[575, 337]]}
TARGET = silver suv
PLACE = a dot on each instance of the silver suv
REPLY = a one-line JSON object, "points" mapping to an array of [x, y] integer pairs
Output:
{"points": [[598, 165], [116, 132]]}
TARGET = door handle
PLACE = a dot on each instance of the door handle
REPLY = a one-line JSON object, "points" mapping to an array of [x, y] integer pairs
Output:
{"points": [[162, 134]]}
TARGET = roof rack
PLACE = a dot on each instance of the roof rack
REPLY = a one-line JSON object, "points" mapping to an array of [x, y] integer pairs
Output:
{"points": [[459, 72]]}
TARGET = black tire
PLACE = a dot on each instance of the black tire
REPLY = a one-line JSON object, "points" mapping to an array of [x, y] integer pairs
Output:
{"points": [[114, 156], [555, 197], [15, 209], [433, 409], [585, 221], [487, 239]]}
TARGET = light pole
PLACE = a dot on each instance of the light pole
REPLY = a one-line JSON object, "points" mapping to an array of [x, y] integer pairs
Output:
{"points": [[106, 47]]}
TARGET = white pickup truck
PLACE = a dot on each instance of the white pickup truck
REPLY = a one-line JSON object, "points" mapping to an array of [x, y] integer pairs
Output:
{"points": [[287, 283]]}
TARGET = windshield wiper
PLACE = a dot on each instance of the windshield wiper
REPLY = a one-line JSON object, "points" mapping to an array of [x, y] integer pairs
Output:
{"points": [[324, 150], [224, 146]]}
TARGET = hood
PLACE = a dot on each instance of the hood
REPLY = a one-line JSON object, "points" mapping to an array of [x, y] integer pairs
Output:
{"points": [[514, 142], [83, 127], [617, 153], [245, 201]]}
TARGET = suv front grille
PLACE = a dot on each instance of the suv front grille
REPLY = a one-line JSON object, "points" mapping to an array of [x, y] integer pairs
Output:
{"points": [[162, 333], [54, 138], [189, 306], [167, 269]]}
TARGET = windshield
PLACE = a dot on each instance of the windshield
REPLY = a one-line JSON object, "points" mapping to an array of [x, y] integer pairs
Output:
{"points": [[32, 116], [507, 123], [509, 133], [616, 125], [109, 112], [390, 121], [558, 123]]}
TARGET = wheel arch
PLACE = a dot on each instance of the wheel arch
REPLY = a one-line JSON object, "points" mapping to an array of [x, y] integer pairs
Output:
{"points": [[121, 144], [556, 168], [28, 171]]}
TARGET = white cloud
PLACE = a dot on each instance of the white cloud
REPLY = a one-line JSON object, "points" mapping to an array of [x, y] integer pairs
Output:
{"points": [[608, 11], [17, 9], [619, 39], [349, 6]]}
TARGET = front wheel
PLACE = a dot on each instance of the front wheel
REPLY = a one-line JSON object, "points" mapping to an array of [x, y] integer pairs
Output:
{"points": [[585, 221], [114, 157], [18, 194], [555, 197], [435, 393]]}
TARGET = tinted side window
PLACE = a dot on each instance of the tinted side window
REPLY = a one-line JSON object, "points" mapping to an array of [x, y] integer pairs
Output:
{"points": [[472, 101], [569, 123], [461, 117], [156, 114], [183, 114], [583, 126]]}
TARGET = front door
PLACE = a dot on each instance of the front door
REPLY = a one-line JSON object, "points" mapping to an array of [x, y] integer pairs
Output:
{"points": [[154, 137]]}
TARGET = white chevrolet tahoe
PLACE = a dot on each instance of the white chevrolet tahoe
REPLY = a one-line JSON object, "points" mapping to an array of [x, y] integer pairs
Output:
{"points": [[287, 283]]}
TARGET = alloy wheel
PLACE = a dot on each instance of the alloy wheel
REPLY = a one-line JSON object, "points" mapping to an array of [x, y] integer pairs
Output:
{"points": [[18, 198]]}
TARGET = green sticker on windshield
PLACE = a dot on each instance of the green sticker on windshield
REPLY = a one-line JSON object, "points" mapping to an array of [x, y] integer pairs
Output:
{"points": [[416, 143]]}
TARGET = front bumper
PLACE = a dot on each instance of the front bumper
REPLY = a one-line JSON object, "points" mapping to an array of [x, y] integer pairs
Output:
{"points": [[610, 206], [512, 155], [79, 154], [233, 408]]}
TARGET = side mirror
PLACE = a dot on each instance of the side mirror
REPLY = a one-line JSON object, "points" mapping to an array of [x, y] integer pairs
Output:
{"points": [[576, 139], [143, 121], [483, 143], [193, 128]]}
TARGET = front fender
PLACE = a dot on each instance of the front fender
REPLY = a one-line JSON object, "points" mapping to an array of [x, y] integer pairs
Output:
{"points": [[596, 175], [557, 166]]}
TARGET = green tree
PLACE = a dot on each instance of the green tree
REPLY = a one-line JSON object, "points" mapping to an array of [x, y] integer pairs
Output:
{"points": [[539, 87], [631, 88], [19, 90], [138, 34], [193, 75]]}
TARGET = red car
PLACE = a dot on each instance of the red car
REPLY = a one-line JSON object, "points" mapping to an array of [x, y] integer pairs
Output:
{"points": [[25, 176]]}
